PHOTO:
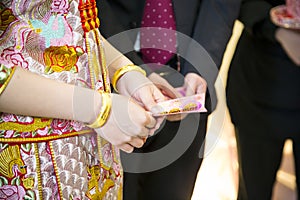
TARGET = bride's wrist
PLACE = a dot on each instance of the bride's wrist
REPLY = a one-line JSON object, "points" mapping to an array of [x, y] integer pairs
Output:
{"points": [[102, 111], [122, 71]]}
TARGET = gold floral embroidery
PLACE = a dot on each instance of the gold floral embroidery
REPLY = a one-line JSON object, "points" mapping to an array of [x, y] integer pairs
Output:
{"points": [[6, 17], [61, 58], [93, 184], [106, 186], [43, 139], [11, 163], [37, 124], [28, 182]]}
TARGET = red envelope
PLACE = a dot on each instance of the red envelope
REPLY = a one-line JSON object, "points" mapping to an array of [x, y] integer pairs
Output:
{"points": [[189, 104]]}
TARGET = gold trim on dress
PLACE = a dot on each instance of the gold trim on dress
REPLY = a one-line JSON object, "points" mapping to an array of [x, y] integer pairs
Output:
{"points": [[11, 73], [88, 49], [43, 139], [100, 143], [37, 124], [104, 69], [38, 169], [56, 171]]}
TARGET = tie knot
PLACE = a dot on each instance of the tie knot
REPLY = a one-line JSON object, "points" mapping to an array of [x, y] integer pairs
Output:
{"points": [[158, 13]]}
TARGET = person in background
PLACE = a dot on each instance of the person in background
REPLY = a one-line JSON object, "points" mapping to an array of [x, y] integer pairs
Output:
{"points": [[263, 95], [207, 22], [60, 126]]}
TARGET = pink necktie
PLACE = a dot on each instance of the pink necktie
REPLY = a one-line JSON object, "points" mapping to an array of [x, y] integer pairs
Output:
{"points": [[158, 32]]}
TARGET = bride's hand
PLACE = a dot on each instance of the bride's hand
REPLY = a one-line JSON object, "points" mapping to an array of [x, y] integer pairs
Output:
{"points": [[128, 124]]}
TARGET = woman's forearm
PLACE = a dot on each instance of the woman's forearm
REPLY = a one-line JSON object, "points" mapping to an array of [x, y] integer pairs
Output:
{"points": [[114, 58], [32, 95]]}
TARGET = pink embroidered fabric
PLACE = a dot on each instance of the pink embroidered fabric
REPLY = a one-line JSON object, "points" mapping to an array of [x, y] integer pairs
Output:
{"points": [[53, 158]]}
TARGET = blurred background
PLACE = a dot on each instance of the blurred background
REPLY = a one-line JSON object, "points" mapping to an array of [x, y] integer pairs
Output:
{"points": [[218, 176]]}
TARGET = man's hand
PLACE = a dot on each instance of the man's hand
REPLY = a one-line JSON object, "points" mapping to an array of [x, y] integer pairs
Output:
{"points": [[168, 90]]}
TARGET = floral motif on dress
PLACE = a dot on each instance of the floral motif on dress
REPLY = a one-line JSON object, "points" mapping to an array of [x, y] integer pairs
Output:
{"points": [[54, 158], [43, 44], [15, 182], [62, 58], [6, 17]]}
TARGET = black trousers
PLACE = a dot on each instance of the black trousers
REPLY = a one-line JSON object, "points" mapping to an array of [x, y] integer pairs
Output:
{"points": [[175, 181], [260, 157]]}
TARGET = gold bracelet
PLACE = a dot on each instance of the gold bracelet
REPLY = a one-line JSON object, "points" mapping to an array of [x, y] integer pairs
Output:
{"points": [[121, 71], [5, 76], [104, 111]]}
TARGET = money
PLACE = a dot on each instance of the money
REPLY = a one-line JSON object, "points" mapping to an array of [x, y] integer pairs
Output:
{"points": [[189, 104]]}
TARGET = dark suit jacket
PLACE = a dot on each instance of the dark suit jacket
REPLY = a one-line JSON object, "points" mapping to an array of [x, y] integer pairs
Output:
{"points": [[208, 22], [263, 83]]}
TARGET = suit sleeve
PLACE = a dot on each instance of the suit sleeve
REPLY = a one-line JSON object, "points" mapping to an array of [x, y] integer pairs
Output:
{"points": [[255, 16], [213, 28]]}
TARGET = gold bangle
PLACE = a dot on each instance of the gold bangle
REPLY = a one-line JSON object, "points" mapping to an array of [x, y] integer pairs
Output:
{"points": [[5, 76], [104, 112], [121, 71]]}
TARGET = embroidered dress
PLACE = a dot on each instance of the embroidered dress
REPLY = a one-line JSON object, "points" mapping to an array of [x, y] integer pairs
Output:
{"points": [[53, 158]]}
